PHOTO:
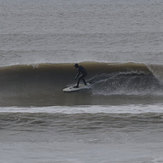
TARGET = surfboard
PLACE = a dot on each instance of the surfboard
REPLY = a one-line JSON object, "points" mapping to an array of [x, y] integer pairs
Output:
{"points": [[73, 89]]}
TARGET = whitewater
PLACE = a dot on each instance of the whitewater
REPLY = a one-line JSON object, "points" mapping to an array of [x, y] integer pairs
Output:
{"points": [[119, 119]]}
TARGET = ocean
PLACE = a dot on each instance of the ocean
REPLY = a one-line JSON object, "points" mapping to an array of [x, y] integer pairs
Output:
{"points": [[119, 119]]}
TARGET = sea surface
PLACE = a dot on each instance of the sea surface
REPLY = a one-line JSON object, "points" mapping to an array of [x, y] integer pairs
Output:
{"points": [[119, 119]]}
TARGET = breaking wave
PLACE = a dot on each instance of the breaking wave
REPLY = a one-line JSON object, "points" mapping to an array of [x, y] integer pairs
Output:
{"points": [[44, 82]]}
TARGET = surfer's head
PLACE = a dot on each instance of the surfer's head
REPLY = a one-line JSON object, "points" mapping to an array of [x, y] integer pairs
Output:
{"points": [[76, 65]]}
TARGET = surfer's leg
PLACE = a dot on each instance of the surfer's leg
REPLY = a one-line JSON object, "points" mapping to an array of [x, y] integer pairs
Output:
{"points": [[83, 76], [84, 81], [80, 78], [78, 83]]}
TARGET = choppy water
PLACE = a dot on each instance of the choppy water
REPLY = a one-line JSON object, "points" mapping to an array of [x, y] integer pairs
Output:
{"points": [[70, 31], [119, 120]]}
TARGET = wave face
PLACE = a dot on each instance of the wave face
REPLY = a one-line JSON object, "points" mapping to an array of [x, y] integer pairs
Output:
{"points": [[42, 84]]}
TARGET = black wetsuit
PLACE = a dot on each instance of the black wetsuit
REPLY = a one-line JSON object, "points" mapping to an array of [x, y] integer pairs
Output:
{"points": [[82, 73]]}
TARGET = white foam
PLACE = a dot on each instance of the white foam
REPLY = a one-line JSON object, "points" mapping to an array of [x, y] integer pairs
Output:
{"points": [[131, 109]]}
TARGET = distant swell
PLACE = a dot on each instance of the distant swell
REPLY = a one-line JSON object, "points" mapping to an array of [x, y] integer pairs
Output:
{"points": [[42, 84]]}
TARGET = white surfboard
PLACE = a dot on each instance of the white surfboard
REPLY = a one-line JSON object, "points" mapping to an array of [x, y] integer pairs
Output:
{"points": [[73, 89]]}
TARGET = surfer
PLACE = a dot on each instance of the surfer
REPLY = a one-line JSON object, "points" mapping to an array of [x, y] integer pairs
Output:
{"points": [[82, 73]]}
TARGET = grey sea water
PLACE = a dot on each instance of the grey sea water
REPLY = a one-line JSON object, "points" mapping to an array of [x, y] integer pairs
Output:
{"points": [[120, 121], [69, 31]]}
